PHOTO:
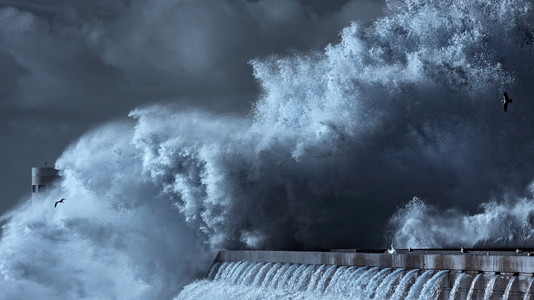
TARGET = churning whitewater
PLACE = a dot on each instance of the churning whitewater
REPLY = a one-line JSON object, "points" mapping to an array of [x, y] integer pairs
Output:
{"points": [[257, 280], [337, 142]]}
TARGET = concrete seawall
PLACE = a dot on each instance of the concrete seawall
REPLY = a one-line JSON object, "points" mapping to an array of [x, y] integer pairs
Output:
{"points": [[506, 264]]}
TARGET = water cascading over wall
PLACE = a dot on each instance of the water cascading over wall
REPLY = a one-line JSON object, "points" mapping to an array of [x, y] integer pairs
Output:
{"points": [[406, 274]]}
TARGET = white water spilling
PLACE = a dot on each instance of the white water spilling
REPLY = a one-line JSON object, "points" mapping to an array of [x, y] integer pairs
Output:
{"points": [[260, 280], [375, 281], [529, 286], [359, 284], [508, 288], [403, 285], [283, 278], [294, 281], [417, 287], [472, 288], [384, 289], [456, 285], [489, 287], [350, 276], [325, 279], [335, 279], [315, 277], [431, 287]]}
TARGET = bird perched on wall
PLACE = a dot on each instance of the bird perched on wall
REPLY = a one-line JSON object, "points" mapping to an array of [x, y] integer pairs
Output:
{"points": [[60, 201], [505, 101], [392, 250]]}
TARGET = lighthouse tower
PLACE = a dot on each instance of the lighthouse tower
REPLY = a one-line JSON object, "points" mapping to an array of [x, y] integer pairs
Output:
{"points": [[43, 178]]}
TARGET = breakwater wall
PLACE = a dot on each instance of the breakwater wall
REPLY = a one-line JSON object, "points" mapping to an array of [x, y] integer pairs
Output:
{"points": [[474, 274]]}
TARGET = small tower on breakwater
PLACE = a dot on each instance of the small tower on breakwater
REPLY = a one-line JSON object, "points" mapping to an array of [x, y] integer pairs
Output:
{"points": [[43, 178]]}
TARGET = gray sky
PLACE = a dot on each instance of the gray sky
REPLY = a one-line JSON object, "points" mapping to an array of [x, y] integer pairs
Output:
{"points": [[67, 66]]}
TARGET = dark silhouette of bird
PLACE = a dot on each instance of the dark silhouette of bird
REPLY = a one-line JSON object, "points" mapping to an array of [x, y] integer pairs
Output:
{"points": [[505, 101], [60, 201]]}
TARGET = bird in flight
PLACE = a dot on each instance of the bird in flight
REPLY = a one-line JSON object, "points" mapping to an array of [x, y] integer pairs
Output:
{"points": [[60, 201], [505, 101]]}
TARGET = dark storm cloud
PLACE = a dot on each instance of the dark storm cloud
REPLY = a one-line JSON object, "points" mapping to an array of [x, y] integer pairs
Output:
{"points": [[66, 66]]}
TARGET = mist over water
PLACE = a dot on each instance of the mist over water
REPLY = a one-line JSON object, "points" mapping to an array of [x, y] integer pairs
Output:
{"points": [[337, 142], [113, 236]]}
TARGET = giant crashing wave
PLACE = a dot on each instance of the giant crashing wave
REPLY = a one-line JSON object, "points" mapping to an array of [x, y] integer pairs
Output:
{"points": [[337, 141]]}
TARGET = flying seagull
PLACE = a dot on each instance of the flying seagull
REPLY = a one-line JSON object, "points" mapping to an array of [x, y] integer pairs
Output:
{"points": [[60, 201], [505, 101]]}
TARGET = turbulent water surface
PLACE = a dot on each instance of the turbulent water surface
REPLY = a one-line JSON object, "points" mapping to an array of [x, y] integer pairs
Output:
{"points": [[337, 141]]}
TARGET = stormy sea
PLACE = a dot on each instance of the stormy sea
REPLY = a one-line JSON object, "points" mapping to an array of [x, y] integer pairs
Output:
{"points": [[395, 134]]}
